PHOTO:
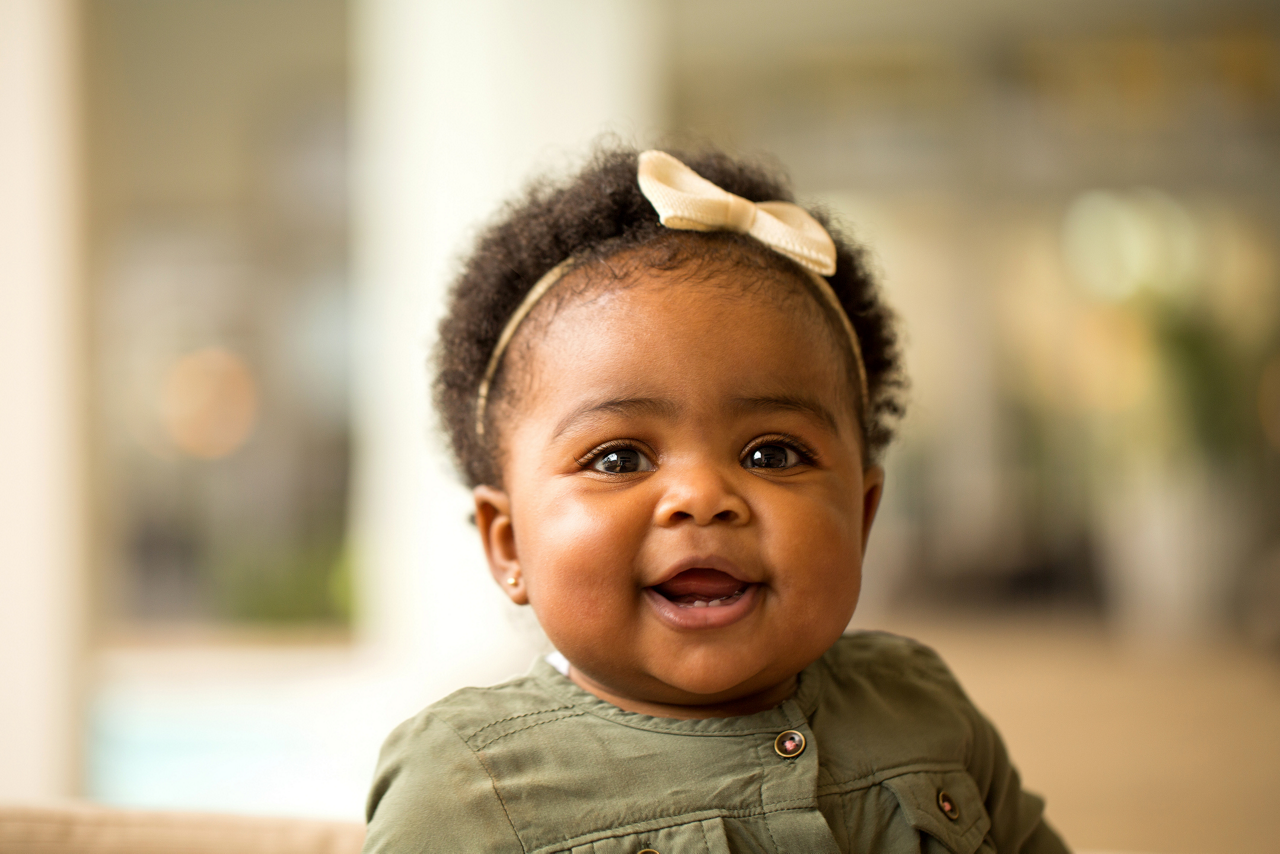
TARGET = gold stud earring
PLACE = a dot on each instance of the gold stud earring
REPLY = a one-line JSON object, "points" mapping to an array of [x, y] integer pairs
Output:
{"points": [[512, 581]]}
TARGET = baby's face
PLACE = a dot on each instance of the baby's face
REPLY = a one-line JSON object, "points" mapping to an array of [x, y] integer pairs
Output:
{"points": [[685, 506]]}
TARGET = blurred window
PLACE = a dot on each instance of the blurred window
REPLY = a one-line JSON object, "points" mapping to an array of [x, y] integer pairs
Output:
{"points": [[216, 139]]}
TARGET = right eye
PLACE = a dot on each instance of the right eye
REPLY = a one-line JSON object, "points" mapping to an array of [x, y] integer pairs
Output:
{"points": [[621, 461]]}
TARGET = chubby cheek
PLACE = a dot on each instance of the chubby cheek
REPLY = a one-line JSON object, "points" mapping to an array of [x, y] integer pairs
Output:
{"points": [[817, 550], [577, 562]]}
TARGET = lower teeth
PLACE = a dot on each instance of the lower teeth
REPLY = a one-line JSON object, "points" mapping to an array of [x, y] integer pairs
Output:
{"points": [[712, 603]]}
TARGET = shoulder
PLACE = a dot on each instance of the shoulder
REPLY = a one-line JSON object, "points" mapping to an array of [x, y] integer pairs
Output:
{"points": [[432, 779], [477, 716], [463, 723], [896, 703], [891, 663]]}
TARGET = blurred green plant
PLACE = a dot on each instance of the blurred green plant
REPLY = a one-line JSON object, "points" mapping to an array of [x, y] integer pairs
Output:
{"points": [[307, 584], [1215, 381]]}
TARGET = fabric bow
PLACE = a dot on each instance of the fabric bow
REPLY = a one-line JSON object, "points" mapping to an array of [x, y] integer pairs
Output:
{"points": [[685, 200]]}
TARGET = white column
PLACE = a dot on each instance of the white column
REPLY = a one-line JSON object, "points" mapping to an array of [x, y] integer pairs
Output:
{"points": [[457, 104], [40, 459]]}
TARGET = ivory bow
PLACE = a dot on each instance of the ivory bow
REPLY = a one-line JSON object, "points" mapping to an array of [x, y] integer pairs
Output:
{"points": [[685, 200]]}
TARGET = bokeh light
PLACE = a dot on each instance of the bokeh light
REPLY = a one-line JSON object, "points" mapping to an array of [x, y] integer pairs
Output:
{"points": [[209, 403], [1118, 243]]}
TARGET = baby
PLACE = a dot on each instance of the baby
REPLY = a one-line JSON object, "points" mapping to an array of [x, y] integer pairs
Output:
{"points": [[669, 387]]}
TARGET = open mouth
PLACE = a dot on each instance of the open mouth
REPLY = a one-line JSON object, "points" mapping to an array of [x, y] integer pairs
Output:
{"points": [[702, 587]]}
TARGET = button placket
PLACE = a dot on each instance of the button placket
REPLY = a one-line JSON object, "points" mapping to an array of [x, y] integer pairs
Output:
{"points": [[788, 778], [789, 787]]}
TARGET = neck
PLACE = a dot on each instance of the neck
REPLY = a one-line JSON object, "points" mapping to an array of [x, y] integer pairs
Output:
{"points": [[748, 705]]}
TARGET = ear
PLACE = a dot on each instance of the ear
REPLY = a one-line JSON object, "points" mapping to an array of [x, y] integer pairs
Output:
{"points": [[872, 490], [493, 519]]}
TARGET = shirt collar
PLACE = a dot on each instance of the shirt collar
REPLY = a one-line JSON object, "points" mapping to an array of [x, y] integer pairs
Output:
{"points": [[791, 713]]}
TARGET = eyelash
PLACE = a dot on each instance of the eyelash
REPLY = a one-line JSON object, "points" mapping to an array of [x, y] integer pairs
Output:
{"points": [[807, 454], [598, 451]]}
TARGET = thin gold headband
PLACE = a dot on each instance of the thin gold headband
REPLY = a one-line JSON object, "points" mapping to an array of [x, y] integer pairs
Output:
{"points": [[685, 200]]}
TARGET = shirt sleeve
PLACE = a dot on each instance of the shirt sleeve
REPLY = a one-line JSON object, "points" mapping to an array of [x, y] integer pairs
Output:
{"points": [[1018, 825], [432, 793]]}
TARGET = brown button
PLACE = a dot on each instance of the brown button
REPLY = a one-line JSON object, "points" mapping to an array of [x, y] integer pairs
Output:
{"points": [[948, 806], [647, 851], [789, 744]]}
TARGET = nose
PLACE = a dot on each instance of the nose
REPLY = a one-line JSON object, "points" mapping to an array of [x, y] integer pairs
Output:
{"points": [[700, 494]]}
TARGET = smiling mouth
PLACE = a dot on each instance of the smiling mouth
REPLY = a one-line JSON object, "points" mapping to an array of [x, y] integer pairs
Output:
{"points": [[701, 587]]}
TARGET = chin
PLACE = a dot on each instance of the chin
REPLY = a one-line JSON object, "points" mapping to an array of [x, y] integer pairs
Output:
{"points": [[715, 684]]}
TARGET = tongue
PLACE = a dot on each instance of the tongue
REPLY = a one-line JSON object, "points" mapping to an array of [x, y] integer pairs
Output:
{"points": [[701, 584]]}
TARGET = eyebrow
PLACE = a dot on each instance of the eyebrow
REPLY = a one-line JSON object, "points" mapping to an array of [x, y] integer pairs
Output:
{"points": [[618, 406], [788, 403], [663, 408]]}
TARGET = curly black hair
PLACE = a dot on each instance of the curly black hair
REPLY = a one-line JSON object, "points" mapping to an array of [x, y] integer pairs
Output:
{"points": [[598, 215]]}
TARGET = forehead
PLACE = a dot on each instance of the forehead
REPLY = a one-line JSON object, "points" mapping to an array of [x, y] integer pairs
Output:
{"points": [[697, 332]]}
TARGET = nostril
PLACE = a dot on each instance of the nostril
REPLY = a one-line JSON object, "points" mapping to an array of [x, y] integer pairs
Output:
{"points": [[704, 505]]}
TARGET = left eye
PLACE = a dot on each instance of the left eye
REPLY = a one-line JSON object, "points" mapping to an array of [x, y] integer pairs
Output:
{"points": [[771, 457]]}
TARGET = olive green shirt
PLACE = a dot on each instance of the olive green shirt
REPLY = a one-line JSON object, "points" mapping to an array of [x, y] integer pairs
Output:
{"points": [[895, 759]]}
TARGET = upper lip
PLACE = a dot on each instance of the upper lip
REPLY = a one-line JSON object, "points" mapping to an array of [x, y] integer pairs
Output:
{"points": [[716, 562]]}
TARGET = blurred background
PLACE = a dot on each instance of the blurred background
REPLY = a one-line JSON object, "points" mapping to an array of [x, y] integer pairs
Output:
{"points": [[236, 555]]}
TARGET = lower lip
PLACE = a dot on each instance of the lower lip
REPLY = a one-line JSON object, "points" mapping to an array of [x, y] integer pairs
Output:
{"points": [[702, 618]]}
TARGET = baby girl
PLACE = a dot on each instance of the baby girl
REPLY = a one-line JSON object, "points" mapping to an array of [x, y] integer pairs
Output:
{"points": [[669, 387]]}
